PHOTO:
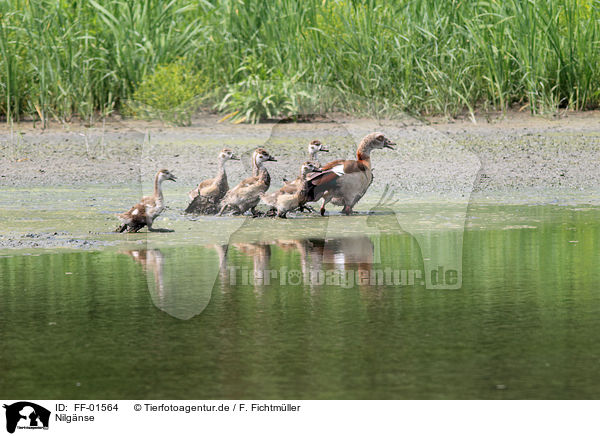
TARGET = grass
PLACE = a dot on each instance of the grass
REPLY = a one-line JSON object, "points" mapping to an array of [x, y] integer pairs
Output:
{"points": [[265, 59]]}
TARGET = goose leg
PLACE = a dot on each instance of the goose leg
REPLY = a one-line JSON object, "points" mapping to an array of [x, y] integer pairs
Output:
{"points": [[222, 210], [323, 207], [133, 228], [307, 208]]}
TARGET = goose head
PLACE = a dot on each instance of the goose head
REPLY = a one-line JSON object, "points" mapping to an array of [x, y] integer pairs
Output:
{"points": [[377, 140], [309, 167], [316, 146], [260, 156], [166, 175], [227, 154]]}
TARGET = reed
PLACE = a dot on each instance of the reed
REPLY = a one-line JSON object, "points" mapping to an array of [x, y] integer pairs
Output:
{"points": [[61, 58]]}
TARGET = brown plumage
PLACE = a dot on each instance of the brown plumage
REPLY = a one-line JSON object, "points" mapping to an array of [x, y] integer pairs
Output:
{"points": [[291, 195], [246, 195], [145, 212], [344, 182], [314, 148], [207, 195]]}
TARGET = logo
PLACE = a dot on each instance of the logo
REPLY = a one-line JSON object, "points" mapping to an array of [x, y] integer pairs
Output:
{"points": [[26, 415]]}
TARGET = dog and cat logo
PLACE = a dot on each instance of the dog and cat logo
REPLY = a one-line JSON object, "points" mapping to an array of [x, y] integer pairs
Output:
{"points": [[26, 415]]}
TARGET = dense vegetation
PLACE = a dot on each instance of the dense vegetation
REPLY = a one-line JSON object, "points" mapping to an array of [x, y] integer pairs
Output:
{"points": [[267, 58]]}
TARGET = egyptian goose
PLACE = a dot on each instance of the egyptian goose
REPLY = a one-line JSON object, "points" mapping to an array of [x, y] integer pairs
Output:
{"points": [[291, 195], [314, 147], [148, 209], [207, 195], [344, 182], [246, 195]]}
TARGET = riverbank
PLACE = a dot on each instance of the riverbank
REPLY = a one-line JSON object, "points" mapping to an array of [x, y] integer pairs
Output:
{"points": [[516, 152], [62, 187]]}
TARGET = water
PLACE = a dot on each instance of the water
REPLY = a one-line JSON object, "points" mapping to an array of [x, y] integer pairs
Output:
{"points": [[166, 318]]}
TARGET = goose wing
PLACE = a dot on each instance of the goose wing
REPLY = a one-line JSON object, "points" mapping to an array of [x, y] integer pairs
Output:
{"points": [[330, 177], [136, 214], [247, 188]]}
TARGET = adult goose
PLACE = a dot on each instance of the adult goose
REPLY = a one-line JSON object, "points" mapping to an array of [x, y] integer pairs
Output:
{"points": [[344, 182]]}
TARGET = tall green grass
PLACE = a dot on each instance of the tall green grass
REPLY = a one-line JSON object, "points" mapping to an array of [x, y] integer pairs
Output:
{"points": [[60, 58]]}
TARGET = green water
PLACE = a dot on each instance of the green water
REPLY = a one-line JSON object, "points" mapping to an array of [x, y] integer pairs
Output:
{"points": [[169, 319]]}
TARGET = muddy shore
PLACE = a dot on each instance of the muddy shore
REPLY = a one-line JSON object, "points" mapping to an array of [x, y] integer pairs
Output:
{"points": [[76, 173], [514, 152]]}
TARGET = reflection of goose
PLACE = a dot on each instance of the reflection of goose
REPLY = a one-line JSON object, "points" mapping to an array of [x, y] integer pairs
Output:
{"points": [[354, 256], [317, 256], [260, 253], [222, 253], [335, 251], [152, 261], [180, 280], [304, 247], [261, 257], [355, 250]]}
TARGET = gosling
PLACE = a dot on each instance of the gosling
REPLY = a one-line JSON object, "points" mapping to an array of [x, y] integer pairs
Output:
{"points": [[207, 195], [148, 209]]}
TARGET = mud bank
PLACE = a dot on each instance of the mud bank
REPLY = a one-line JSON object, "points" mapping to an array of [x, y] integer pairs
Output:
{"points": [[515, 152], [64, 185]]}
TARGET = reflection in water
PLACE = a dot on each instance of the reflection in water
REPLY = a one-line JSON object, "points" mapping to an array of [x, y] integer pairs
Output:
{"points": [[181, 280], [320, 257], [261, 256], [525, 318], [221, 250], [152, 262]]}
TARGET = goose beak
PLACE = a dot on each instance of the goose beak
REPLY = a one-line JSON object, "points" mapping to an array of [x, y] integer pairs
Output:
{"points": [[389, 144], [325, 148], [271, 158], [234, 158], [173, 178]]}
